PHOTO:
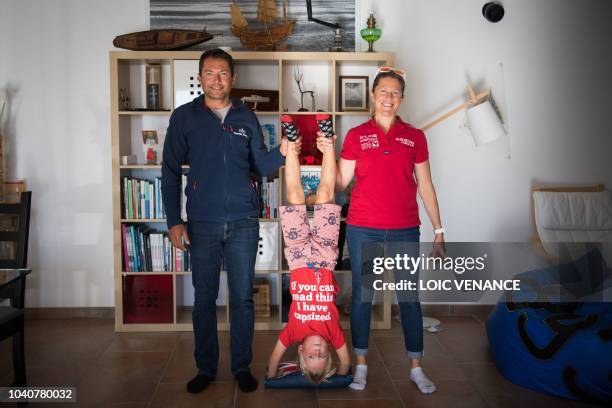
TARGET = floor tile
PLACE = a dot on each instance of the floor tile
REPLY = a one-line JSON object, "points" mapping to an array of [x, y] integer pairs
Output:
{"points": [[393, 349], [499, 392], [164, 341], [216, 395], [274, 398], [182, 367], [377, 403], [123, 377], [436, 370], [65, 375], [96, 405], [63, 342], [449, 393], [379, 386], [465, 339], [138, 370]]}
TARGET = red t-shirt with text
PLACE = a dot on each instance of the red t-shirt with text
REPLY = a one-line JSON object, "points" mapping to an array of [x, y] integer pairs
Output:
{"points": [[312, 309]]}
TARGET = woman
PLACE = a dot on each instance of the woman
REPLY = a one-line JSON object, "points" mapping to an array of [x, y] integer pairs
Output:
{"points": [[385, 155]]}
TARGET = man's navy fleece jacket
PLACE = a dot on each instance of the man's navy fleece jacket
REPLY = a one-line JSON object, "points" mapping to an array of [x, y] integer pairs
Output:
{"points": [[221, 157]]}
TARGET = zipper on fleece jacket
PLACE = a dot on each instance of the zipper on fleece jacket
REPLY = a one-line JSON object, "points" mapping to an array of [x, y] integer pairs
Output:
{"points": [[211, 113]]}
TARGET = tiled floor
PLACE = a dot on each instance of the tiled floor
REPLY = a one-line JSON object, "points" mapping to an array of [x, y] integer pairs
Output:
{"points": [[139, 370]]}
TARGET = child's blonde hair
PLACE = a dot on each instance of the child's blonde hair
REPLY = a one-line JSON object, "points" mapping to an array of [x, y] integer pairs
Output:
{"points": [[317, 377]]}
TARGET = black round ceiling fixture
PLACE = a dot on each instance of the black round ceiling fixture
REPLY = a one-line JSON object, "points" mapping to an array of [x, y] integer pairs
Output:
{"points": [[493, 11]]}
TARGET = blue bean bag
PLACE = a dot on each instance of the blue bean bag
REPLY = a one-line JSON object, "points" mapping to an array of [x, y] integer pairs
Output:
{"points": [[564, 349], [292, 377]]}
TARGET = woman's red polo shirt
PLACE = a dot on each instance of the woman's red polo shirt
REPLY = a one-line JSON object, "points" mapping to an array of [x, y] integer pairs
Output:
{"points": [[384, 195]]}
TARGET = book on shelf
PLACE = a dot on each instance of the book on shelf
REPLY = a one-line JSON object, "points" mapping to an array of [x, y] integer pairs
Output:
{"points": [[268, 190], [286, 297], [311, 177], [142, 199], [147, 250], [269, 135]]}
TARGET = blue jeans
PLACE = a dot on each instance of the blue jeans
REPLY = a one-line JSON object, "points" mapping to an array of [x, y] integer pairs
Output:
{"points": [[211, 242], [410, 312]]}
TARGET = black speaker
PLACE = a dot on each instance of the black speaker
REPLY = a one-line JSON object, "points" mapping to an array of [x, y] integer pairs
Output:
{"points": [[493, 11]]}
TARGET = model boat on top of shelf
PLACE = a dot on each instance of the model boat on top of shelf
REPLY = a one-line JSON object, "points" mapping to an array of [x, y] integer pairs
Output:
{"points": [[268, 33], [161, 40]]}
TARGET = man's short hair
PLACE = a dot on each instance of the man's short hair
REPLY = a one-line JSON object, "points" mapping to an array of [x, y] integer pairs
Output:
{"points": [[219, 54]]}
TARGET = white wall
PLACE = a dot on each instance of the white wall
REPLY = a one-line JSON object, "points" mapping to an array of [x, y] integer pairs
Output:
{"points": [[54, 62], [556, 65], [556, 68]]}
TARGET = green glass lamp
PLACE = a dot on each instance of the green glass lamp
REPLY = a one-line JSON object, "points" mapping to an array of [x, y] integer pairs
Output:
{"points": [[371, 34]]}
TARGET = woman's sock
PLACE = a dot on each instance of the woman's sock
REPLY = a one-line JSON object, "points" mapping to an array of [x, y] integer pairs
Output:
{"points": [[425, 385], [359, 378]]}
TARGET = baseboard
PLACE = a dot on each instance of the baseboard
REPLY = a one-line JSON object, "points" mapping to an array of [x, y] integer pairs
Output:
{"points": [[448, 310], [70, 313], [109, 312]]}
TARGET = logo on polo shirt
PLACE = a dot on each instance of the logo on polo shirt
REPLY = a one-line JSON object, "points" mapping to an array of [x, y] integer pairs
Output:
{"points": [[368, 141], [405, 141]]}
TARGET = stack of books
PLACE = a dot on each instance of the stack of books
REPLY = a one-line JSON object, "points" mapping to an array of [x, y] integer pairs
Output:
{"points": [[142, 199], [268, 195], [147, 250]]}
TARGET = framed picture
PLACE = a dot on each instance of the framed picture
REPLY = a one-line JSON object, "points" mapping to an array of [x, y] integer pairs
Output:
{"points": [[354, 93], [150, 146], [311, 176]]}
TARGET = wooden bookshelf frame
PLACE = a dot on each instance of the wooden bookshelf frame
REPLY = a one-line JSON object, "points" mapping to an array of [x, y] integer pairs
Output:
{"points": [[182, 323]]}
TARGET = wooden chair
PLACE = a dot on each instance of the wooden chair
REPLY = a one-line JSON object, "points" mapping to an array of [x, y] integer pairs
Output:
{"points": [[11, 191], [15, 231], [12, 317]]}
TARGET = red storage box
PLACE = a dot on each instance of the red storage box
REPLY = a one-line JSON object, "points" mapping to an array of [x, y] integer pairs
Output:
{"points": [[147, 299]]}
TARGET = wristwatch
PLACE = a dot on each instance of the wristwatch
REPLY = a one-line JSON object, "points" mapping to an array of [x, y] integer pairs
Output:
{"points": [[440, 230]]}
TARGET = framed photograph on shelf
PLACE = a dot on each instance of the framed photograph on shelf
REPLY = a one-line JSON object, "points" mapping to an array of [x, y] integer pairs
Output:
{"points": [[150, 145], [354, 93]]}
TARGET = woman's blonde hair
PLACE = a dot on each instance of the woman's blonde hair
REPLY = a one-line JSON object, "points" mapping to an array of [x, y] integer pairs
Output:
{"points": [[317, 377]]}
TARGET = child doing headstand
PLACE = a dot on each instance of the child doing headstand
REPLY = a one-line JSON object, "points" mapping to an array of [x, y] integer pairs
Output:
{"points": [[311, 254]]}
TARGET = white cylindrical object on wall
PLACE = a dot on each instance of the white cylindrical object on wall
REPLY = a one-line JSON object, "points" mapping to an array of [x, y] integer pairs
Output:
{"points": [[484, 124]]}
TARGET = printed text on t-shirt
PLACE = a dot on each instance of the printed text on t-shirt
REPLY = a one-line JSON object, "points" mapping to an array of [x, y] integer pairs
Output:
{"points": [[310, 301]]}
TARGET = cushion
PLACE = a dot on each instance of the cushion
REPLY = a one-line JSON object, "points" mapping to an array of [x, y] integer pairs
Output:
{"points": [[573, 217], [292, 377], [573, 210]]}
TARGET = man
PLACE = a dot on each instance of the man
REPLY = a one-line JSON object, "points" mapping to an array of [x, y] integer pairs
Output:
{"points": [[222, 142]]}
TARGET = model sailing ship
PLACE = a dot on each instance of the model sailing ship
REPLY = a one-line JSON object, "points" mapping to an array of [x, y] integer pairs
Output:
{"points": [[270, 31]]}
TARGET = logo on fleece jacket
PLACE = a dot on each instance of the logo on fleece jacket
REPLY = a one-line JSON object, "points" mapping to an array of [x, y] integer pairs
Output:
{"points": [[239, 132]]}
